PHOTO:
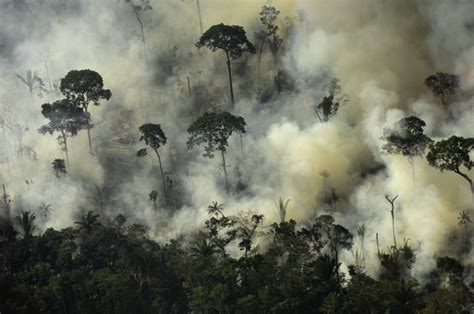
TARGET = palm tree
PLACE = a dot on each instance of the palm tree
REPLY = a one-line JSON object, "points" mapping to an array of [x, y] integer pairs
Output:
{"points": [[89, 222], [32, 81], [282, 205], [25, 220], [45, 210], [202, 247]]}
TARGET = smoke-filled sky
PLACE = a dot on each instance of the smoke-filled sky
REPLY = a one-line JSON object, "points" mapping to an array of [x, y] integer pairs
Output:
{"points": [[381, 51]]}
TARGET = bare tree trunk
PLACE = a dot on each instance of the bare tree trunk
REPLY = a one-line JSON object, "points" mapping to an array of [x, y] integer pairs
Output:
{"points": [[230, 78], [88, 126], [6, 151], [200, 17], [411, 161], [162, 176], [469, 180], [225, 172], [392, 213], [259, 60], [143, 36], [5, 200], [66, 149]]}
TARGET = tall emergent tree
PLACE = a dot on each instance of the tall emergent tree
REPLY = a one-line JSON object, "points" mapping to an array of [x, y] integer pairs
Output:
{"points": [[154, 137], [268, 16], [138, 9], [406, 138], [64, 118], [213, 130], [232, 40], [451, 154], [81, 88], [443, 85]]}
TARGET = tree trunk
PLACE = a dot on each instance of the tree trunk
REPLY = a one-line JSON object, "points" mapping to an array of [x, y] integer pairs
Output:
{"points": [[230, 79], [143, 36], [5, 200], [89, 131], [259, 60], [162, 176], [225, 172], [469, 180], [411, 161], [66, 149], [200, 17], [393, 226], [6, 151]]}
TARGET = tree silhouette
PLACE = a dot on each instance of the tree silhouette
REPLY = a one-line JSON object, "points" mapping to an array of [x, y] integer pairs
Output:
{"points": [[443, 85], [64, 118], [81, 88], [154, 137], [406, 138], [32, 81], [451, 154], [268, 17], [153, 197], [333, 99], [232, 40], [25, 220], [89, 222], [59, 168], [213, 131], [138, 10]]}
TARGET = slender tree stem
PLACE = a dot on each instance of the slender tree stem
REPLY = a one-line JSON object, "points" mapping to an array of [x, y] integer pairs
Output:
{"points": [[162, 175], [230, 79], [225, 172], [200, 17]]}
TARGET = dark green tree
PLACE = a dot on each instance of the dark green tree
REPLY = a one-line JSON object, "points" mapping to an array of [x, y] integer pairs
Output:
{"points": [[443, 85], [451, 155], [154, 137], [406, 138], [268, 16], [230, 39], [333, 99], [25, 221], [213, 131], [59, 168], [82, 88], [64, 118], [89, 222]]}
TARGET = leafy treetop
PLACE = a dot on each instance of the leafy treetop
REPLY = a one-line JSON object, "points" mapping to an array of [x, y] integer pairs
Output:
{"points": [[406, 137], [83, 87], [153, 136], [451, 154], [231, 39], [214, 129]]}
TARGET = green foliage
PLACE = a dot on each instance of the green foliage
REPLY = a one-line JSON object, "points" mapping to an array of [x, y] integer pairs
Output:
{"points": [[63, 117], [153, 136], [406, 138], [116, 268], [451, 154], [231, 39], [25, 221], [213, 130], [332, 100], [443, 85], [59, 168], [83, 87]]}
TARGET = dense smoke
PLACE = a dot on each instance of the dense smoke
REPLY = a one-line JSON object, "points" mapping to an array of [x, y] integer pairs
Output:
{"points": [[380, 50]]}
